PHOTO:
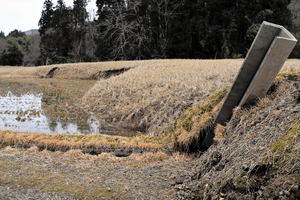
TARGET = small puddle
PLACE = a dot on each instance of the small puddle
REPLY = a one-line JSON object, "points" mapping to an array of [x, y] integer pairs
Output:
{"points": [[30, 113]]}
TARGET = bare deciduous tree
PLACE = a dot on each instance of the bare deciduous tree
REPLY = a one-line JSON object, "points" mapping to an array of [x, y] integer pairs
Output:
{"points": [[165, 12], [33, 53], [125, 32]]}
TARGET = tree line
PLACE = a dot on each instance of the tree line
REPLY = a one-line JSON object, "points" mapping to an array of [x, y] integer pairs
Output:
{"points": [[150, 29], [18, 49]]}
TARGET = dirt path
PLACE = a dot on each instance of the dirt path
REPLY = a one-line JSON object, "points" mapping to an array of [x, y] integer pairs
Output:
{"points": [[48, 175]]}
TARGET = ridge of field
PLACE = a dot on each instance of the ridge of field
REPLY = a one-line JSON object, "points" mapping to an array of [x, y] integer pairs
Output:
{"points": [[150, 97], [153, 93]]}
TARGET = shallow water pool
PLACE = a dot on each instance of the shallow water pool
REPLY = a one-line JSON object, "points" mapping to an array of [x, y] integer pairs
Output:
{"points": [[37, 113]]}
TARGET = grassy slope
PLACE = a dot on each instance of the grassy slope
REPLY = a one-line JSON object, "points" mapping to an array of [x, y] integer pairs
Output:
{"points": [[150, 97], [258, 157]]}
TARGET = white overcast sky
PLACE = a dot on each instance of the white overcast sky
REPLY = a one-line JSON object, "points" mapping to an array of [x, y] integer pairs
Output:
{"points": [[24, 15]]}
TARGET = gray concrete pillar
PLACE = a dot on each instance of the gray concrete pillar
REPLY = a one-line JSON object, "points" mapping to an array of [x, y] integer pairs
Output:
{"points": [[270, 49], [267, 54]]}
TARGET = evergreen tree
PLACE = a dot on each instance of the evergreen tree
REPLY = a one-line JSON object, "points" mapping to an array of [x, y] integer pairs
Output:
{"points": [[221, 29], [63, 27], [12, 57], [46, 18], [15, 33], [80, 13], [2, 35], [56, 32], [80, 29], [47, 33]]}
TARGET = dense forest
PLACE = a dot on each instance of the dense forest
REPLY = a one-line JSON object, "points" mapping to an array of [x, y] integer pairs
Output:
{"points": [[146, 29]]}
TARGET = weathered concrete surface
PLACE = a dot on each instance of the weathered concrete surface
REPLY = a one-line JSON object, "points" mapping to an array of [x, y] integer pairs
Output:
{"points": [[268, 52], [270, 67], [271, 47]]}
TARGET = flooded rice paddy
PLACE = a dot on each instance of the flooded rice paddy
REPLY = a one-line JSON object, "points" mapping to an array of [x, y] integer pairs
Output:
{"points": [[49, 107]]}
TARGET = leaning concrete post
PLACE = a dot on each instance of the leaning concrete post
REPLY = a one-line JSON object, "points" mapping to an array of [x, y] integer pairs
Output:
{"points": [[270, 49], [268, 52]]}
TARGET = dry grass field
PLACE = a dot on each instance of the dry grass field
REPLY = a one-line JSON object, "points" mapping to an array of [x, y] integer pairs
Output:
{"points": [[152, 94], [4, 70]]}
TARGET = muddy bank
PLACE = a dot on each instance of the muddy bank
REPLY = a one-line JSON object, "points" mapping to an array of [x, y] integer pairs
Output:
{"points": [[55, 72], [107, 74], [80, 71]]}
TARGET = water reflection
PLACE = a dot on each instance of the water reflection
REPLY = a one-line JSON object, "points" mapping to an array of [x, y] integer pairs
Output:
{"points": [[29, 113]]}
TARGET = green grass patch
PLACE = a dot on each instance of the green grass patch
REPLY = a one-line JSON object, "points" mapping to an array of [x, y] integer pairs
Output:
{"points": [[196, 122]]}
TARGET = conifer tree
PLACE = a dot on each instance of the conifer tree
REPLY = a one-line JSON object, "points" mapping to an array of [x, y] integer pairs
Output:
{"points": [[47, 16], [47, 33], [13, 56], [2, 35], [80, 28]]}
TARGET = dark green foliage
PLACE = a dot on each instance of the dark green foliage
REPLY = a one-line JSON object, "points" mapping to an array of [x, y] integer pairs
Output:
{"points": [[2, 35], [56, 33], [65, 33], [80, 30], [13, 56], [146, 29], [222, 29], [15, 33], [294, 6]]}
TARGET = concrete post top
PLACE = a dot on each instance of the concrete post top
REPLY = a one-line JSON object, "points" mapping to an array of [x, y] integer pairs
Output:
{"points": [[284, 33], [268, 52]]}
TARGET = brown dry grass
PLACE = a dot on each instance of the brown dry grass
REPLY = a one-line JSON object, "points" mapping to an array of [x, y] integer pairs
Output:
{"points": [[259, 143], [78, 142], [5, 70], [150, 97], [263, 136]]}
